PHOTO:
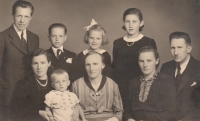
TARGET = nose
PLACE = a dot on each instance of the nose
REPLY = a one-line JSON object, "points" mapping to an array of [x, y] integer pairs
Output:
{"points": [[145, 64], [22, 19], [91, 68], [57, 38], [60, 83], [175, 52], [39, 66], [131, 24]]}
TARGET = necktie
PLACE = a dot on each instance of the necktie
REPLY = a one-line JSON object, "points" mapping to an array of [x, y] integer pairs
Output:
{"points": [[178, 75], [58, 53], [23, 40]]}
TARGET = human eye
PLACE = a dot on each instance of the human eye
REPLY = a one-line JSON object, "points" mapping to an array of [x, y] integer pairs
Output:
{"points": [[96, 64], [149, 60]]}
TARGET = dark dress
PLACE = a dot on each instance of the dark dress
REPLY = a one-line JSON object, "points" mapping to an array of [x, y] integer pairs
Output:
{"points": [[160, 104], [28, 99], [107, 71], [125, 61]]}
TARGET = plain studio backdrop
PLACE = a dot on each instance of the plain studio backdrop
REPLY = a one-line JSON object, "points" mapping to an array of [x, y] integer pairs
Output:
{"points": [[161, 17]]}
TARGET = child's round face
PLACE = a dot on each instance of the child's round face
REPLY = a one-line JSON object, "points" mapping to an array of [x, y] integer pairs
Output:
{"points": [[57, 37], [61, 82], [95, 40], [132, 24]]}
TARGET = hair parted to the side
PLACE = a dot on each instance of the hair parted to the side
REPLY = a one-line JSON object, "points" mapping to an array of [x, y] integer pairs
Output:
{"points": [[93, 53], [99, 28], [57, 25], [58, 72], [179, 35], [40, 51], [134, 11], [23, 4], [150, 49]]}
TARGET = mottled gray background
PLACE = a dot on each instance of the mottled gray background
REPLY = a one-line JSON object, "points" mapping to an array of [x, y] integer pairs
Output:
{"points": [[161, 17]]}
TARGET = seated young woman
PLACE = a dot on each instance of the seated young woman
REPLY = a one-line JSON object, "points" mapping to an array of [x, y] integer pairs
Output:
{"points": [[152, 96]]}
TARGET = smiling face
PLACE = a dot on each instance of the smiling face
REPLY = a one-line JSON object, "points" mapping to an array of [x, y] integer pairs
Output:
{"points": [[40, 66], [132, 24], [60, 82], [95, 40], [57, 37], [180, 51], [22, 17], [94, 66], [147, 63]]}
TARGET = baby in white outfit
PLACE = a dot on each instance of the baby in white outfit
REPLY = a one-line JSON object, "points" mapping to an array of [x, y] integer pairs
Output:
{"points": [[60, 102]]}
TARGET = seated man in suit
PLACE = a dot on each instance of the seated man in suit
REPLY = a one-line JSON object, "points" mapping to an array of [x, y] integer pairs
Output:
{"points": [[61, 57], [186, 72], [16, 43]]}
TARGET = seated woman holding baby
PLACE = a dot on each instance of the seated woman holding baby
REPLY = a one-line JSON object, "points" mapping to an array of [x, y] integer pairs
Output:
{"points": [[99, 95]]}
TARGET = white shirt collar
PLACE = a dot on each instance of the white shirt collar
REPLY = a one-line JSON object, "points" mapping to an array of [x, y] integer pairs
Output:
{"points": [[133, 39], [55, 50], [100, 51], [183, 66], [19, 32]]}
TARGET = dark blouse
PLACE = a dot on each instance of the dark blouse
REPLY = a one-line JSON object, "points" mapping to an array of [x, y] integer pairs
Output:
{"points": [[28, 99], [160, 104], [107, 71], [125, 57]]}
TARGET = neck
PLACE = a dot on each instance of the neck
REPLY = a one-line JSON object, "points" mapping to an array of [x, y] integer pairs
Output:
{"points": [[133, 35], [96, 50], [96, 80], [41, 78], [149, 76], [187, 57]]}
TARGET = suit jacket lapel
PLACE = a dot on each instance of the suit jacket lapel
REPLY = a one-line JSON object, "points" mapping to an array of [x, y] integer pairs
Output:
{"points": [[54, 58], [16, 40], [188, 73]]}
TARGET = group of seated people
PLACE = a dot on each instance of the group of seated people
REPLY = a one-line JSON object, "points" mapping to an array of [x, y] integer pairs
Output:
{"points": [[91, 87]]}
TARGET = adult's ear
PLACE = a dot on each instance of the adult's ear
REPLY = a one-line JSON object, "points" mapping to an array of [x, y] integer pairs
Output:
{"points": [[189, 48]]}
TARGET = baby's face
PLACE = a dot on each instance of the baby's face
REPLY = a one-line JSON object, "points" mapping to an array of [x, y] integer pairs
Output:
{"points": [[61, 82]]}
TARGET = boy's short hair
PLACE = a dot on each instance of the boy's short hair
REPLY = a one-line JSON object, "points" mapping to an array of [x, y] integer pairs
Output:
{"points": [[99, 28], [57, 25], [179, 35], [23, 4], [58, 72]]}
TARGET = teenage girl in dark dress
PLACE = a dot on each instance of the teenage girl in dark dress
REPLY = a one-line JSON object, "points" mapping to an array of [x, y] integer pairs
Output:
{"points": [[125, 49]]}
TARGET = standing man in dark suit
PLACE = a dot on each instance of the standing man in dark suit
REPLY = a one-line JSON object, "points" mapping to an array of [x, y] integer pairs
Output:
{"points": [[16, 43], [186, 72]]}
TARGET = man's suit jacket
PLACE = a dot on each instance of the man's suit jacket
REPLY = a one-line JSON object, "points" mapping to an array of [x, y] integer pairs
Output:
{"points": [[190, 81], [66, 62], [14, 57]]}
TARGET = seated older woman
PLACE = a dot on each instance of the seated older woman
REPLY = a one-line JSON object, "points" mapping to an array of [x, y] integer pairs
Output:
{"points": [[152, 95], [29, 95], [99, 95]]}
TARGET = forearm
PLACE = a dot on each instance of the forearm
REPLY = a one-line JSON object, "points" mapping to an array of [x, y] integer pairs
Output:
{"points": [[81, 112]]}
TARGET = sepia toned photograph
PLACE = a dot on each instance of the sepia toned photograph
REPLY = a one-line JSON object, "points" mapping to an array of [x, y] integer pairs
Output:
{"points": [[99, 60]]}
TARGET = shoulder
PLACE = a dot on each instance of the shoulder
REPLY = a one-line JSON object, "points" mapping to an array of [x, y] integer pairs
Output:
{"points": [[168, 64], [81, 54], [110, 81], [195, 61], [119, 40], [32, 34], [6, 32], [69, 52], [78, 81], [147, 38], [134, 81]]}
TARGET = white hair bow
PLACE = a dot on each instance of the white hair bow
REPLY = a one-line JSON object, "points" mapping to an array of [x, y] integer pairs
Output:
{"points": [[93, 22]]}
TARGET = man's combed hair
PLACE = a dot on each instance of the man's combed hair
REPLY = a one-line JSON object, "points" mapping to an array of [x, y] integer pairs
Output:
{"points": [[178, 35], [23, 4]]}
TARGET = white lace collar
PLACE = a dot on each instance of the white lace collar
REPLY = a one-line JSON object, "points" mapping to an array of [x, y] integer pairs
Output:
{"points": [[100, 51]]}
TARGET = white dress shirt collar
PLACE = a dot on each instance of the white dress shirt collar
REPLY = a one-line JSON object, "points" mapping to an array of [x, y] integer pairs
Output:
{"points": [[19, 32], [183, 66], [55, 50]]}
